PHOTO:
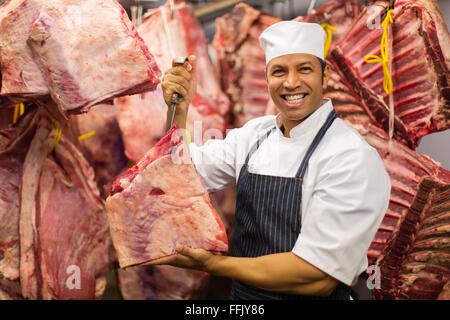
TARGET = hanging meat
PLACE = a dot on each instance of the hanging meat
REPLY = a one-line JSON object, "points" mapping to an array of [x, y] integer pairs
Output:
{"points": [[142, 118], [21, 77], [420, 67], [56, 237], [63, 50], [44, 238]]}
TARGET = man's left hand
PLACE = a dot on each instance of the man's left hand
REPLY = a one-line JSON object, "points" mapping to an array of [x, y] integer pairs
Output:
{"points": [[186, 257]]}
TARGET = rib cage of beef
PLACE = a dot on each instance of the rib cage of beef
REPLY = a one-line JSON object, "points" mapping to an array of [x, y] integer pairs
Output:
{"points": [[420, 67]]}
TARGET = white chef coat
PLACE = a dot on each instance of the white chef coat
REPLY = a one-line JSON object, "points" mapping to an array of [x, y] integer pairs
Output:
{"points": [[345, 193]]}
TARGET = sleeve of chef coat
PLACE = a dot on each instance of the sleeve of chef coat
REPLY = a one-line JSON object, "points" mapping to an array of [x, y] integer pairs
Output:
{"points": [[346, 208], [215, 161]]}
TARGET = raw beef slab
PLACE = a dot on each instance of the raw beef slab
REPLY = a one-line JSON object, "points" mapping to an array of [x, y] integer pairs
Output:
{"points": [[161, 202], [60, 48], [21, 76]]}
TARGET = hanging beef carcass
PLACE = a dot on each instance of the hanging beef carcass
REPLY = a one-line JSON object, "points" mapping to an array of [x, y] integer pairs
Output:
{"points": [[100, 141], [142, 117], [240, 60], [161, 202], [64, 248], [63, 49], [420, 67]]}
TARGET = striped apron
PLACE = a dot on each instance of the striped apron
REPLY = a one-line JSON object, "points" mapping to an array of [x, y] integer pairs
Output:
{"points": [[268, 219]]}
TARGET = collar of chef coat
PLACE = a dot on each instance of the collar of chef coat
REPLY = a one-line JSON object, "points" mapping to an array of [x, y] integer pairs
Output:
{"points": [[310, 125]]}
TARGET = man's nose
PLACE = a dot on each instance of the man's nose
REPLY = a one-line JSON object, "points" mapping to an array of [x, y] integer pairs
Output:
{"points": [[292, 81]]}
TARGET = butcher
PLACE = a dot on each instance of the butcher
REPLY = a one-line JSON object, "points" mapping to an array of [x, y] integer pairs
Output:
{"points": [[311, 192]]}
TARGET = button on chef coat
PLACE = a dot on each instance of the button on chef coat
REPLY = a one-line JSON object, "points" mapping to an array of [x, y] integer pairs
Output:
{"points": [[345, 191]]}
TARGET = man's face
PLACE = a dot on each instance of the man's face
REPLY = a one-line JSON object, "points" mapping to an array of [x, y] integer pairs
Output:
{"points": [[295, 85]]}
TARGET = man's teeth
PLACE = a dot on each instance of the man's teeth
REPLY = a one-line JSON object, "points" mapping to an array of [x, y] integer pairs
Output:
{"points": [[295, 98]]}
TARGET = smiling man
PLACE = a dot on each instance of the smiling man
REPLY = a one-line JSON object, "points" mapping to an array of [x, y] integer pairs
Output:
{"points": [[311, 192]]}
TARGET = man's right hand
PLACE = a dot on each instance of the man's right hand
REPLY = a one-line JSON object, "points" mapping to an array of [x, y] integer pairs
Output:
{"points": [[182, 80]]}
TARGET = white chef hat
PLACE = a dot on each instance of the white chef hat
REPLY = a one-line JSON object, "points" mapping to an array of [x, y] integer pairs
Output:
{"points": [[287, 37]]}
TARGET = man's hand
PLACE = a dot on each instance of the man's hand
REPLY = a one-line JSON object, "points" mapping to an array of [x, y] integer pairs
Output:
{"points": [[198, 259], [182, 80]]}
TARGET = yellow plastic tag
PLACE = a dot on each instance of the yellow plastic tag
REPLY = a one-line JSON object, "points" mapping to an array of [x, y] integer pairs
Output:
{"points": [[19, 110], [58, 133], [86, 135]]}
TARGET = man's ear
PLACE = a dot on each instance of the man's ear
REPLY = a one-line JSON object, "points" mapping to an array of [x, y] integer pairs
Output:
{"points": [[325, 77]]}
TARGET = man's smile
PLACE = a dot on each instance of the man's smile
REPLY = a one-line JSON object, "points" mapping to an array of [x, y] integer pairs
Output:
{"points": [[293, 100]]}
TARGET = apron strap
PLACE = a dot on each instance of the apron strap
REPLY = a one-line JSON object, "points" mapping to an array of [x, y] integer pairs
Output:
{"points": [[258, 143], [304, 165]]}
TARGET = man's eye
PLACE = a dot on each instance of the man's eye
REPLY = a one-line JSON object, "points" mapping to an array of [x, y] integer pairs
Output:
{"points": [[303, 69], [278, 71]]}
